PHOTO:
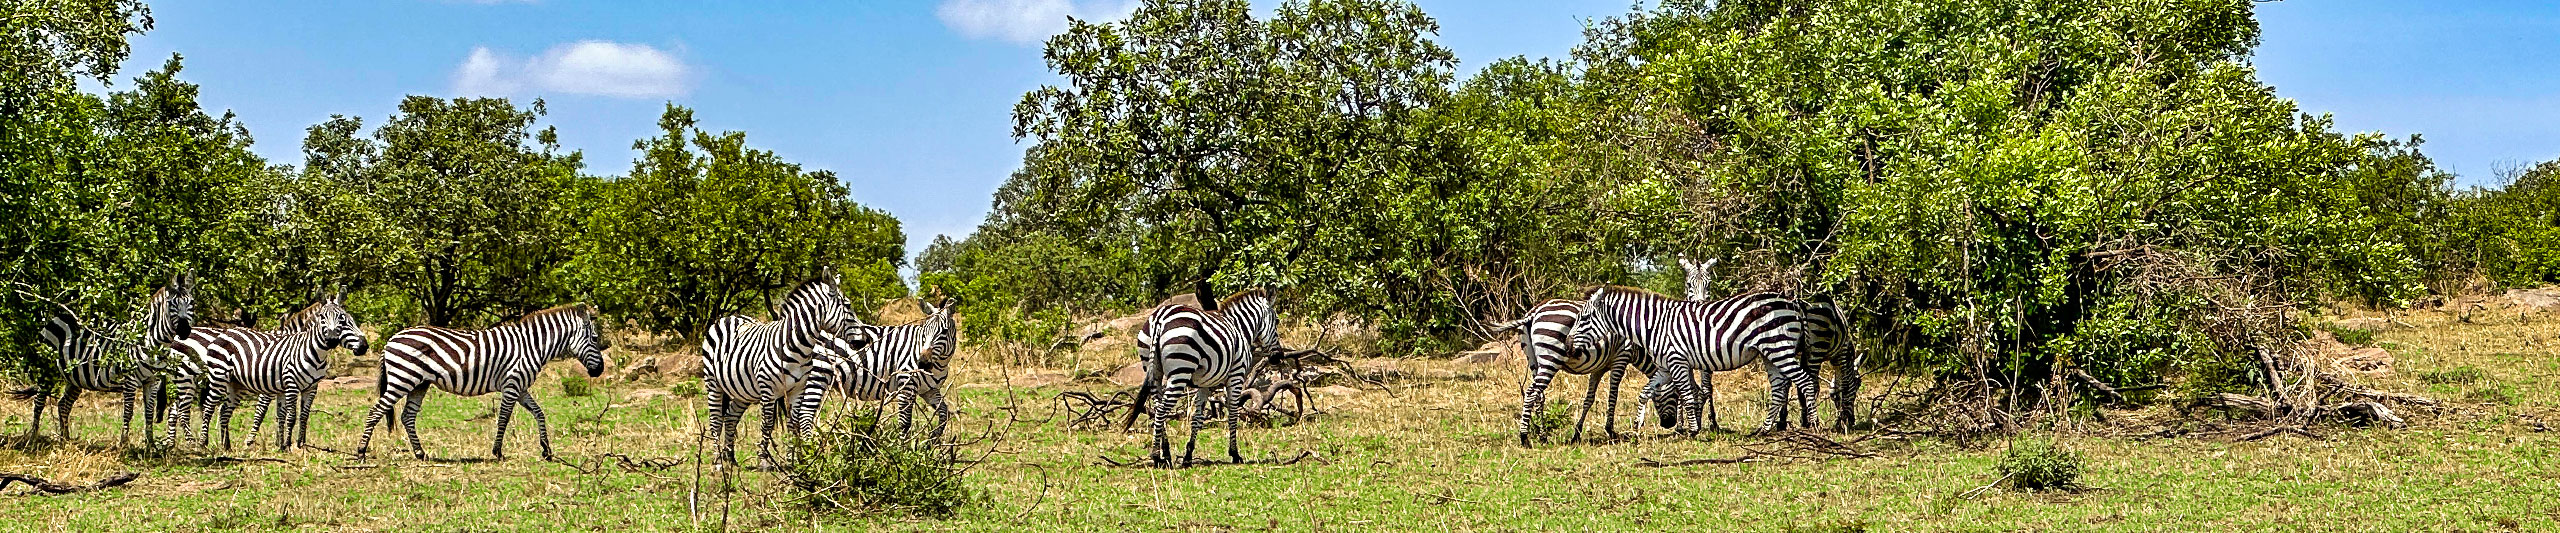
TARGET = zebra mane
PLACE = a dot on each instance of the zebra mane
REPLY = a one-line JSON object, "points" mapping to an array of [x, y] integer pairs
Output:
{"points": [[808, 289], [300, 319], [1626, 290], [1241, 295], [581, 310]]}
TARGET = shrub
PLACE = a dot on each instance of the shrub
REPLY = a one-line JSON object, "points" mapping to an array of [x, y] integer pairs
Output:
{"points": [[1544, 425], [2040, 464], [576, 386], [2453, 376], [685, 389], [854, 464], [2351, 336]]}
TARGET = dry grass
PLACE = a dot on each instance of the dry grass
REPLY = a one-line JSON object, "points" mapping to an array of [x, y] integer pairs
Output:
{"points": [[1431, 451]]}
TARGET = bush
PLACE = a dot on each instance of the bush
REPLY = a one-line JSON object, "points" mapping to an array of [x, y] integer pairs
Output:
{"points": [[2351, 336], [1544, 425], [854, 464], [2040, 464], [685, 389], [576, 386]]}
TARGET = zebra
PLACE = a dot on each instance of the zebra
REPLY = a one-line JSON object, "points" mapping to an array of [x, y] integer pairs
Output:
{"points": [[1187, 348], [1822, 323], [767, 364], [84, 363], [286, 363], [902, 364], [505, 358], [1680, 335], [1554, 338]]}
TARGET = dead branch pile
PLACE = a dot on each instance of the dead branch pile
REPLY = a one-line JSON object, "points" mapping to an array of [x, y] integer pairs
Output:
{"points": [[51, 487], [1277, 395]]}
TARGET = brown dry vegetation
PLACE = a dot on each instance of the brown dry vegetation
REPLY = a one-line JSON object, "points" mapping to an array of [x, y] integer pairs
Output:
{"points": [[1429, 449]]}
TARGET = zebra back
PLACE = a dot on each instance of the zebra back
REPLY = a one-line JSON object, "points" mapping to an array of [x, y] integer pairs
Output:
{"points": [[744, 356]]}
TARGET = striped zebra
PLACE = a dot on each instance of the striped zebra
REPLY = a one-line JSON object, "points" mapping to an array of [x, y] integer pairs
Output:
{"points": [[902, 364], [285, 363], [767, 364], [85, 365], [1684, 337], [505, 359], [1822, 331], [1187, 348], [1555, 339]]}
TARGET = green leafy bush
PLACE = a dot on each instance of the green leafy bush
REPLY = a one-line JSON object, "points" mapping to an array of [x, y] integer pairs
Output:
{"points": [[576, 385], [686, 389], [2039, 463], [854, 464]]}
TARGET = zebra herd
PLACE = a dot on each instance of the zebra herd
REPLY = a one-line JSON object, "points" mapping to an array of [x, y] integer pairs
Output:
{"points": [[814, 346]]}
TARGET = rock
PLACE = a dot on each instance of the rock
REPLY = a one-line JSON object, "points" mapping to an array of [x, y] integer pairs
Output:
{"points": [[1501, 351], [1129, 376], [2365, 361], [2543, 298]]}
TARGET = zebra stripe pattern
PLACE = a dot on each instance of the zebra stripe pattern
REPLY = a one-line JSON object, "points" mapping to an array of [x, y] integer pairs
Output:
{"points": [[901, 365], [84, 362], [503, 359], [1555, 339], [1187, 349], [1684, 337], [1822, 346], [767, 364], [286, 363]]}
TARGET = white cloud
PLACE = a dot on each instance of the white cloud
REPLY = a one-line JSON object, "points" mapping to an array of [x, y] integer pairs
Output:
{"points": [[602, 68], [1025, 21]]}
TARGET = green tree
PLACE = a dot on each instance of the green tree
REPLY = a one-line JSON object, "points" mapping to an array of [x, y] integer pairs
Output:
{"points": [[705, 227]]}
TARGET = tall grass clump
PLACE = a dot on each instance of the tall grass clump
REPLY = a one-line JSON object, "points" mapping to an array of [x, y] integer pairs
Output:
{"points": [[854, 464]]}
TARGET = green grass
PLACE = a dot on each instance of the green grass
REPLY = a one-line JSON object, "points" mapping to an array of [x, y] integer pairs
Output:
{"points": [[1437, 453]]}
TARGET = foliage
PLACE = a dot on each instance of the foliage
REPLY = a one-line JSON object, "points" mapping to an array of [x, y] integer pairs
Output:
{"points": [[854, 463], [2514, 229], [576, 386], [2040, 463], [685, 389], [705, 227]]}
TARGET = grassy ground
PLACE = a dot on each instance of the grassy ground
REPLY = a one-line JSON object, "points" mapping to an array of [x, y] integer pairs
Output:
{"points": [[1433, 453]]}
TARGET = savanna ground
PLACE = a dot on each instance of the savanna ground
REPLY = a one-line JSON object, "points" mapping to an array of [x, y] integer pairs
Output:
{"points": [[1432, 450]]}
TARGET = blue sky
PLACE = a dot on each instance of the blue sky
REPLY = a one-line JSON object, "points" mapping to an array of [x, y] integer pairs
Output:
{"points": [[909, 101]]}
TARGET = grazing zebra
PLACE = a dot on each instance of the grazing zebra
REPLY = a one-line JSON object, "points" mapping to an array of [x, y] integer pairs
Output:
{"points": [[901, 365], [1555, 339], [85, 365], [286, 363], [1681, 335], [767, 364], [1186, 348], [505, 358]]}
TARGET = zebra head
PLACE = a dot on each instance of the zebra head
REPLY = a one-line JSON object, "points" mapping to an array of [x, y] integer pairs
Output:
{"points": [[173, 310], [819, 306], [942, 333], [1258, 314], [590, 341], [329, 323]]}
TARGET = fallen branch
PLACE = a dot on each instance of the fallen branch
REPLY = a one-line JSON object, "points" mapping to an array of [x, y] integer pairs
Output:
{"points": [[51, 487], [1445, 497], [1649, 462]]}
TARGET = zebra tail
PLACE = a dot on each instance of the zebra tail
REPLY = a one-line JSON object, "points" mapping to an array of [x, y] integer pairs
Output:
{"points": [[28, 393]]}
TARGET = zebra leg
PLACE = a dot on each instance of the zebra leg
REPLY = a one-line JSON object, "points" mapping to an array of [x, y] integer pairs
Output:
{"points": [[1707, 384], [285, 419], [62, 410], [941, 412], [179, 403], [1844, 391], [1807, 388], [220, 401], [1609, 420], [715, 407], [506, 413], [124, 433], [1777, 412], [541, 426], [35, 424], [302, 418], [1200, 411], [1235, 409], [772, 412], [1535, 396], [1166, 400], [409, 421], [385, 401], [259, 422]]}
